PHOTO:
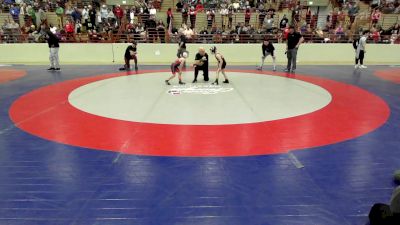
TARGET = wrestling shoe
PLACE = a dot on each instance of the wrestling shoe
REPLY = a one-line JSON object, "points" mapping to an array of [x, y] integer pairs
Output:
{"points": [[180, 82], [167, 82], [215, 82], [226, 81], [363, 67]]}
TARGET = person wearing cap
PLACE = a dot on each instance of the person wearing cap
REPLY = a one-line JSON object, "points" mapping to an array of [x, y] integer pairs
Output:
{"points": [[201, 63], [221, 65], [176, 67], [130, 53], [292, 45], [267, 49]]}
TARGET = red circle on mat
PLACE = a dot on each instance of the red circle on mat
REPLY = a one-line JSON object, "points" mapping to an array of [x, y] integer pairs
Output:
{"points": [[392, 75], [7, 75], [46, 113]]}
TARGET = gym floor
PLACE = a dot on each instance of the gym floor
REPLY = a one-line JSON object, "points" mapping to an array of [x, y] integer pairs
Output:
{"points": [[93, 145]]}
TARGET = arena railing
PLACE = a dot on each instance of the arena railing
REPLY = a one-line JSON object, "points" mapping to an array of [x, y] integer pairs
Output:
{"points": [[11, 36]]}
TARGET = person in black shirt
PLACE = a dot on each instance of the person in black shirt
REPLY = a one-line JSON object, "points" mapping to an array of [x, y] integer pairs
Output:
{"points": [[201, 63], [293, 43], [221, 65], [130, 53], [54, 46], [267, 49], [284, 21], [151, 27]]}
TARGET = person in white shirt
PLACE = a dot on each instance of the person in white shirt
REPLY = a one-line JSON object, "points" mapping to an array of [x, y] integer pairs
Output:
{"points": [[104, 13], [152, 11], [85, 16], [361, 50], [224, 17]]}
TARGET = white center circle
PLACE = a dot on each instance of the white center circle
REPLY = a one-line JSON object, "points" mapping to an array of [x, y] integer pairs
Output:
{"points": [[248, 98]]}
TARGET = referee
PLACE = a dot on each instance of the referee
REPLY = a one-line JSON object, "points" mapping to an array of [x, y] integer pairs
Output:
{"points": [[293, 42]]}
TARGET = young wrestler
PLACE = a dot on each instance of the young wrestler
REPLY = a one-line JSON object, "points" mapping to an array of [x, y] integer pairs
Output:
{"points": [[221, 65], [176, 67]]}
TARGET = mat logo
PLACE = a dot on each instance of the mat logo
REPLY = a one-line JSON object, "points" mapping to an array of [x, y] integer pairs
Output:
{"points": [[198, 89]]}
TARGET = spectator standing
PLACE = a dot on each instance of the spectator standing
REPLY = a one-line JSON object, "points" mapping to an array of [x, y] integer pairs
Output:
{"points": [[76, 15], [170, 17], [15, 11], [224, 17], [31, 14], [92, 17], [53, 43], [60, 15], [185, 13], [375, 16], [151, 26], [104, 13], [110, 16], [230, 17], [119, 14], [192, 15], [261, 17], [85, 17], [353, 11], [247, 16], [361, 50], [210, 18], [293, 43]]}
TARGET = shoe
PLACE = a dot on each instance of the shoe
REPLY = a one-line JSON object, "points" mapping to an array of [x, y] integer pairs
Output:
{"points": [[274, 69], [363, 67], [215, 82], [51, 68], [356, 66], [293, 71], [194, 81], [180, 82], [286, 70], [226, 81], [121, 69], [136, 68], [259, 68], [167, 82], [57, 69]]}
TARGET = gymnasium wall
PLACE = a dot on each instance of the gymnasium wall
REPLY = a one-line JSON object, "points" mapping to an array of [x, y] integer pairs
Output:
{"points": [[240, 54]]}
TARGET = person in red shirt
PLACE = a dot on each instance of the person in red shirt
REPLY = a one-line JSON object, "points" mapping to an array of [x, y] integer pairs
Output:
{"points": [[119, 13], [70, 30], [247, 16], [376, 15], [375, 35], [286, 32]]}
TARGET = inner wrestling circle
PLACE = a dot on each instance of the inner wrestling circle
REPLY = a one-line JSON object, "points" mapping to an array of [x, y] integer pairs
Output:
{"points": [[251, 98]]}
